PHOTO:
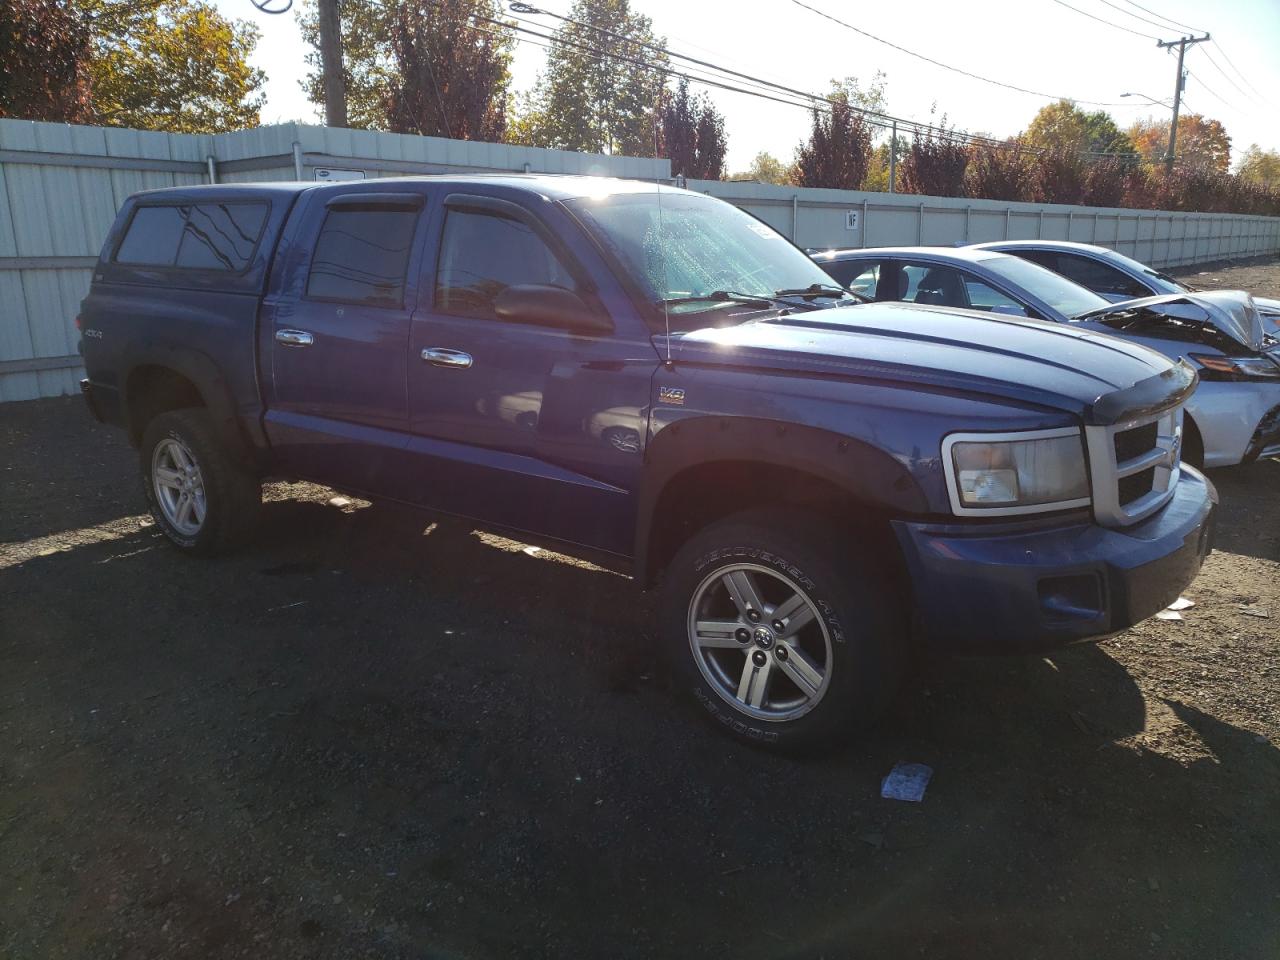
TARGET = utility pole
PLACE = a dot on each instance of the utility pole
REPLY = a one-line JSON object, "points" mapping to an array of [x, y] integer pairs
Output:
{"points": [[335, 87], [1182, 45]]}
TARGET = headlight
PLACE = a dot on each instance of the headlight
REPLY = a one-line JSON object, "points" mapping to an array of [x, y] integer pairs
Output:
{"points": [[1016, 473], [1213, 367]]}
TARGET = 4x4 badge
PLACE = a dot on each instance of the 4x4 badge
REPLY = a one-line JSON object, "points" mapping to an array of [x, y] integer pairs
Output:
{"points": [[671, 395]]}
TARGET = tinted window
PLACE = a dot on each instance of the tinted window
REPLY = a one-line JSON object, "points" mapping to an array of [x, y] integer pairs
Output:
{"points": [[1099, 277], [362, 256], [983, 296], [153, 236], [202, 236], [221, 236], [482, 254]]}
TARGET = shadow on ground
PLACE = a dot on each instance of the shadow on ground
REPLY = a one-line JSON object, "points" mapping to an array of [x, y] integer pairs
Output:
{"points": [[359, 738]]}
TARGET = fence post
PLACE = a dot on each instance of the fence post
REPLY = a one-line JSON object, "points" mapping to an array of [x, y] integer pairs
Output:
{"points": [[1069, 226], [967, 210], [297, 160], [1008, 211], [920, 225], [213, 168], [795, 216], [866, 224], [1040, 225]]}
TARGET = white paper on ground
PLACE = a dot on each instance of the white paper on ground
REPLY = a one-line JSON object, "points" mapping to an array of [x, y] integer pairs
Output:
{"points": [[1169, 615], [1182, 603], [906, 781]]}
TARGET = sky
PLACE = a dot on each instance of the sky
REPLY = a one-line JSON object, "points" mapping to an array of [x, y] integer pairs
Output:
{"points": [[1041, 45]]}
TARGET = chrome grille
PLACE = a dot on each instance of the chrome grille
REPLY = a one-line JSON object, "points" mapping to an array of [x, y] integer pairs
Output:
{"points": [[1134, 466]]}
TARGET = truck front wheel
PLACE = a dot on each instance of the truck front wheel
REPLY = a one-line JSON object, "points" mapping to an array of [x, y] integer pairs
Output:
{"points": [[200, 499], [785, 638]]}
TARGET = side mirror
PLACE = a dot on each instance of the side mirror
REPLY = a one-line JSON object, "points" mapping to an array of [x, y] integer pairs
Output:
{"points": [[549, 307]]}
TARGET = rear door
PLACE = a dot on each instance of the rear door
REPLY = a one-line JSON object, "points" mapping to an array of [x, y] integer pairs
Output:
{"points": [[339, 323]]}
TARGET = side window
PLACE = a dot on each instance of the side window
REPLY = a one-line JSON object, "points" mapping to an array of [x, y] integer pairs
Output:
{"points": [[858, 275], [221, 236], [481, 254], [983, 296], [1099, 277], [932, 284], [153, 236], [201, 236], [362, 256]]}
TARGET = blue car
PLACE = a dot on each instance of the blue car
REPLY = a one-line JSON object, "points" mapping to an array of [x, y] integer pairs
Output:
{"points": [[1234, 416]]}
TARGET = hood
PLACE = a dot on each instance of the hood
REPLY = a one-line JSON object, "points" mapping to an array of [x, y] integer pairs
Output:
{"points": [[1029, 361], [1206, 317], [1270, 310]]}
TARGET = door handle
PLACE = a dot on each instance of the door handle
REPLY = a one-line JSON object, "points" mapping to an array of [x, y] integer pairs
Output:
{"points": [[294, 338], [444, 357]]}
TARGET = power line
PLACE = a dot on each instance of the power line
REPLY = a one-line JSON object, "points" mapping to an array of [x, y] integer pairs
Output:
{"points": [[1108, 23], [946, 66], [1180, 26], [792, 96], [1213, 93], [1134, 15], [1238, 73], [810, 99], [1226, 77]]}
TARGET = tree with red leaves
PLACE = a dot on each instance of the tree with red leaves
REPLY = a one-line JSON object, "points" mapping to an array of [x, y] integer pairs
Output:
{"points": [[452, 78], [45, 48]]}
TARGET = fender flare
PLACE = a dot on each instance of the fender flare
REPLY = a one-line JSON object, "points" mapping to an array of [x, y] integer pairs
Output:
{"points": [[868, 474], [209, 381]]}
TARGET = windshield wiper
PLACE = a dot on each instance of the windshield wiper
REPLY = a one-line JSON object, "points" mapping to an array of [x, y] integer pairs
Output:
{"points": [[725, 296], [820, 290]]}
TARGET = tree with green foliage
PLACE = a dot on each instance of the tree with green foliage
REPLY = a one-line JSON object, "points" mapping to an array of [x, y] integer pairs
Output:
{"points": [[1260, 167], [1063, 126], [691, 134], [765, 168], [45, 48], [450, 79], [603, 84], [175, 65], [368, 61]]}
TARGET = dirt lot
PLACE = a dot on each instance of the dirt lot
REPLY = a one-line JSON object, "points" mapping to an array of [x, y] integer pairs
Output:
{"points": [[359, 740]]}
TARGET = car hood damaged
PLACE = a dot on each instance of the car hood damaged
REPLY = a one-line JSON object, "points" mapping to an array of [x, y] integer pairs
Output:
{"points": [[1226, 319]]}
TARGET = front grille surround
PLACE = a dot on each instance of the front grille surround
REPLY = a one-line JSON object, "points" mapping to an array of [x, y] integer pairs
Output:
{"points": [[1134, 469]]}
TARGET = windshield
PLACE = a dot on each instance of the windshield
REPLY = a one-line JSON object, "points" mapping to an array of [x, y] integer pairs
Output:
{"points": [[697, 247], [1069, 299], [1161, 281]]}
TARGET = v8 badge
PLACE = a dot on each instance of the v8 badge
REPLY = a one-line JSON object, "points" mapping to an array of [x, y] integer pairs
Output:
{"points": [[673, 395]]}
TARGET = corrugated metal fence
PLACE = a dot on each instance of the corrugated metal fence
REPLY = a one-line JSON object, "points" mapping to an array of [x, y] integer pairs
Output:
{"points": [[60, 187]]}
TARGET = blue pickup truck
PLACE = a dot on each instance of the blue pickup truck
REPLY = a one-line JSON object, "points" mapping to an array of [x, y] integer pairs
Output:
{"points": [[654, 380]]}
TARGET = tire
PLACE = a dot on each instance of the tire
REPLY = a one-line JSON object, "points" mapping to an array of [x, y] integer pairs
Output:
{"points": [[224, 498], [855, 636]]}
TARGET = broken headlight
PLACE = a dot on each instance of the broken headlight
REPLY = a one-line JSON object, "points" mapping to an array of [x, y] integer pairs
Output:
{"points": [[1214, 367]]}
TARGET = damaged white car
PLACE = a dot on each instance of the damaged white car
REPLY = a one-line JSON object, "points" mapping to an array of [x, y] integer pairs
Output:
{"points": [[1234, 415], [1236, 409]]}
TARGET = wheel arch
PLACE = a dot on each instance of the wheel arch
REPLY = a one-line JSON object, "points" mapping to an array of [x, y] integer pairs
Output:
{"points": [[171, 378], [701, 470]]}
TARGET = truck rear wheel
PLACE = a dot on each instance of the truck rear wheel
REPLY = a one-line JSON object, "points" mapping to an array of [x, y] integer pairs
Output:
{"points": [[783, 639], [200, 499]]}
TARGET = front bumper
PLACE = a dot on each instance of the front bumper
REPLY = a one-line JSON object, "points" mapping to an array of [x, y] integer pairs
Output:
{"points": [[981, 590]]}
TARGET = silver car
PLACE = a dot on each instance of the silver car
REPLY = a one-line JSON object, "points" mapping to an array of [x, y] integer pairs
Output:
{"points": [[1109, 274], [1234, 415]]}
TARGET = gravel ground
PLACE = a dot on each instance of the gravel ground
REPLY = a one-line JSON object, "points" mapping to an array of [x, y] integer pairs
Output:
{"points": [[360, 738]]}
